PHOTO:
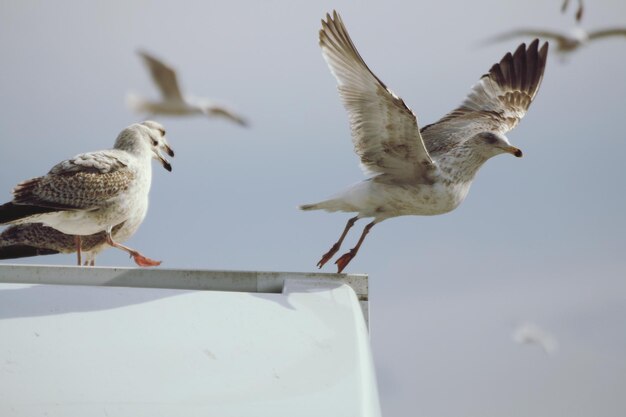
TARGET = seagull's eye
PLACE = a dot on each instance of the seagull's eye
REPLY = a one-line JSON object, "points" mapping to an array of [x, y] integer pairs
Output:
{"points": [[154, 142], [491, 138]]}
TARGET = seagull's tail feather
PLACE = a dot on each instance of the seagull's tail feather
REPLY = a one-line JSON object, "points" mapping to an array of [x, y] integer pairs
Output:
{"points": [[328, 205], [10, 212], [137, 103], [24, 251]]}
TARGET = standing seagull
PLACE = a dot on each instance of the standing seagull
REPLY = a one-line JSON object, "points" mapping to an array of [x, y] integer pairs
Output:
{"points": [[94, 192], [35, 239], [565, 42], [423, 172], [172, 101]]}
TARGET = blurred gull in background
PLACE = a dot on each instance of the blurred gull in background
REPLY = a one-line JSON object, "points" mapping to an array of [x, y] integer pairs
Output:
{"points": [[173, 103], [530, 333], [566, 42]]}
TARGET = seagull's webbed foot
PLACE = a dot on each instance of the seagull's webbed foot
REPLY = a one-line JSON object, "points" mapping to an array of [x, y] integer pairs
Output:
{"points": [[143, 261], [344, 260], [138, 257], [333, 250]]}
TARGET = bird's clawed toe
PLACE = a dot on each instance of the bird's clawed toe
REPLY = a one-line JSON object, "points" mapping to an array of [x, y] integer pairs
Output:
{"points": [[326, 257]]}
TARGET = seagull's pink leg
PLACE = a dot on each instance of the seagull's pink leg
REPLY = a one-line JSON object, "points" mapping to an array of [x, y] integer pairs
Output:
{"points": [[326, 257], [138, 257], [345, 259], [78, 248]]}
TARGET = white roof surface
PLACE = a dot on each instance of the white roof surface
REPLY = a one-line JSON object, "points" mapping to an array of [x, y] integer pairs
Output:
{"points": [[102, 350]]}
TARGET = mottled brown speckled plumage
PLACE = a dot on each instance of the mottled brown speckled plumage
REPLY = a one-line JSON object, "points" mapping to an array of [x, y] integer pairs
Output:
{"points": [[425, 172], [90, 194]]}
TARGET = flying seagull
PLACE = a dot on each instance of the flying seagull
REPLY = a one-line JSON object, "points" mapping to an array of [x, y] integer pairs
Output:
{"points": [[565, 42], [173, 103], [93, 192], [530, 333], [427, 171]]}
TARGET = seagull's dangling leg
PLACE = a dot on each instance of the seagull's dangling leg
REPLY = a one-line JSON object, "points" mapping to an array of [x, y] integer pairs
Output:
{"points": [[345, 259], [326, 257], [78, 249], [138, 257]]}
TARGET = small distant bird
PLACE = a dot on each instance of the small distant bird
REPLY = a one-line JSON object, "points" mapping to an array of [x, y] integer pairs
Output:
{"points": [[565, 42], [530, 333], [427, 171], [94, 192], [172, 101], [579, 11]]}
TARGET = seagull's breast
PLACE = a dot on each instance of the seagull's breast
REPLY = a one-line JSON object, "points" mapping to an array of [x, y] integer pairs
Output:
{"points": [[390, 200]]}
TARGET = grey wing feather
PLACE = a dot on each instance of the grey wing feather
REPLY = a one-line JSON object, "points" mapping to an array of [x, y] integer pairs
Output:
{"points": [[496, 103], [82, 183], [529, 33], [603, 33], [163, 76], [385, 133], [227, 113]]}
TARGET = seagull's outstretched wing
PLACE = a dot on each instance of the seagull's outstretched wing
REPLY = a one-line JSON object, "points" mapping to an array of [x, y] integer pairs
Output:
{"points": [[384, 130], [163, 76], [496, 103], [605, 33], [85, 182], [220, 111]]}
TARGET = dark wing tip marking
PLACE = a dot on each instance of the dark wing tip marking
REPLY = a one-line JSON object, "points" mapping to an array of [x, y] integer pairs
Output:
{"points": [[523, 69], [24, 251]]}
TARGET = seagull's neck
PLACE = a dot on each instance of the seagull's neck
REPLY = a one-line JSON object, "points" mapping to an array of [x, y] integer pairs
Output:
{"points": [[461, 164]]}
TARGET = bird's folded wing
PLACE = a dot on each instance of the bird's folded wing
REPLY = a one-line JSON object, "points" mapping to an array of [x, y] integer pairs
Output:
{"points": [[83, 183], [496, 103], [384, 130], [163, 76]]}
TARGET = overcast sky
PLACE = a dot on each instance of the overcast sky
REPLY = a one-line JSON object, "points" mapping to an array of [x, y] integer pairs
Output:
{"points": [[540, 238]]}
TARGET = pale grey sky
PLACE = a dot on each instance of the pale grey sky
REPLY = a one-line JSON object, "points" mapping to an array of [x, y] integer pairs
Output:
{"points": [[540, 238]]}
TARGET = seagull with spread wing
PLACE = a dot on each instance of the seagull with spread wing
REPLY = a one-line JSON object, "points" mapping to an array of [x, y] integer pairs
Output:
{"points": [[94, 192], [173, 103], [566, 42], [427, 171]]}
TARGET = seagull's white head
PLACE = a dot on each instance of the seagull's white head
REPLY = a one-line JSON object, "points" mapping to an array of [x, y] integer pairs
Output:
{"points": [[158, 141], [490, 144], [147, 139]]}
